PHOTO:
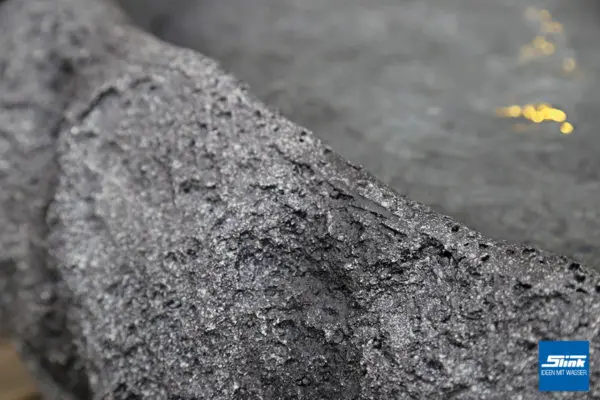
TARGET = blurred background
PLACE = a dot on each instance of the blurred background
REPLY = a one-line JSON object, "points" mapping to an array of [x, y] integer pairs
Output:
{"points": [[486, 110]]}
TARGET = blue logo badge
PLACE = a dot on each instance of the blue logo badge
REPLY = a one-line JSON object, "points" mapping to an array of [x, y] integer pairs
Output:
{"points": [[564, 366]]}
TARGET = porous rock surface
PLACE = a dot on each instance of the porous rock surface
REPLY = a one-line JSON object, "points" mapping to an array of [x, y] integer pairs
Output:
{"points": [[409, 90], [167, 236]]}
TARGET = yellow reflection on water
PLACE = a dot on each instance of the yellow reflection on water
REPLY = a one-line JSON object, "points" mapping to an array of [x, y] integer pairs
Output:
{"points": [[538, 113], [541, 46], [566, 128]]}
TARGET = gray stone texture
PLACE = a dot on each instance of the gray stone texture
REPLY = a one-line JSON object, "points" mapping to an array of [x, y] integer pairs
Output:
{"points": [[165, 235], [408, 88]]}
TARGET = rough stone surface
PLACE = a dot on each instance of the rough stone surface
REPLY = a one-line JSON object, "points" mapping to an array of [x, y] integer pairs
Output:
{"points": [[409, 90], [167, 236]]}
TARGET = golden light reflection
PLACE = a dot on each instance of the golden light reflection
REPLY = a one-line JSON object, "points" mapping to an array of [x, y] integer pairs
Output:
{"points": [[552, 27], [538, 113], [545, 15], [566, 128], [541, 46]]}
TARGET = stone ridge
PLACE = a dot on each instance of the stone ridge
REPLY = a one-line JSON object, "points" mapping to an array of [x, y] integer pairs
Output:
{"points": [[180, 240]]}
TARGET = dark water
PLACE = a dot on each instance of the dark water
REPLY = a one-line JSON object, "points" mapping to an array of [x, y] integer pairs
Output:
{"points": [[410, 88]]}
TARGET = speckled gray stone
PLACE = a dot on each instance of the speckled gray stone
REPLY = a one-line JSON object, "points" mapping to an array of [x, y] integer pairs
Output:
{"points": [[167, 236], [408, 89]]}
